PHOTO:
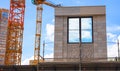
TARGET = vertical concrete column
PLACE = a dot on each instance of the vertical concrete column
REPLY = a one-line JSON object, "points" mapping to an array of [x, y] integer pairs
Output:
{"points": [[99, 29], [58, 37]]}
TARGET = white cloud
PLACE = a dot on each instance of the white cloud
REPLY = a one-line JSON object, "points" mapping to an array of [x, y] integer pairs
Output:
{"points": [[113, 51], [111, 37], [119, 38], [50, 37], [50, 32], [112, 46], [26, 61], [49, 55]]}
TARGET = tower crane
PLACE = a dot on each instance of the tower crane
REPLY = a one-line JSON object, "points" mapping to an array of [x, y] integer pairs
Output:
{"points": [[15, 33], [39, 4]]}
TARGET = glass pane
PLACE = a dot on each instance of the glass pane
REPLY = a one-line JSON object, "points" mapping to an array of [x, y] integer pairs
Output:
{"points": [[73, 23], [86, 23], [73, 36], [86, 36], [5, 14]]}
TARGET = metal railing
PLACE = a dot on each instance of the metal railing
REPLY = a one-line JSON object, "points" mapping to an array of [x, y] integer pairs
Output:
{"points": [[109, 59]]}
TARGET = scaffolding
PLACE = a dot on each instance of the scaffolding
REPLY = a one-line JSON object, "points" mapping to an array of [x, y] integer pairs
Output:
{"points": [[15, 33]]}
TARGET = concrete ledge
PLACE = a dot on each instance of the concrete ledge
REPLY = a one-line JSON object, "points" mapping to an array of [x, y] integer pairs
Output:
{"points": [[80, 11]]}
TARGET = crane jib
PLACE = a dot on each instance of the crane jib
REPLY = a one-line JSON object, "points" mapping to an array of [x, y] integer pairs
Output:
{"points": [[36, 2]]}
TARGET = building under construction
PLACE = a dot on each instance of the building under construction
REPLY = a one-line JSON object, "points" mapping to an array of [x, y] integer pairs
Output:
{"points": [[79, 43], [3, 33], [79, 32], [77, 46]]}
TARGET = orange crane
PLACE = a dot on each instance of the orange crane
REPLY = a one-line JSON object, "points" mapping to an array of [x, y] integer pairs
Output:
{"points": [[39, 4], [15, 32]]}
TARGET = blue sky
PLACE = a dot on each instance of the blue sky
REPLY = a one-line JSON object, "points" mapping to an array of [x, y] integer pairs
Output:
{"points": [[112, 21]]}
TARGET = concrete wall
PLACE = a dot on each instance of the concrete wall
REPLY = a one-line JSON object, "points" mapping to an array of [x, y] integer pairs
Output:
{"points": [[89, 51], [93, 66]]}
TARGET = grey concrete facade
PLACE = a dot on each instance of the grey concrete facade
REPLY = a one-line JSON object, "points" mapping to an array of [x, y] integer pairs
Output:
{"points": [[89, 51]]}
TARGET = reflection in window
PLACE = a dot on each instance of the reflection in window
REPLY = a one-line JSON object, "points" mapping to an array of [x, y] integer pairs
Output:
{"points": [[73, 30], [86, 29], [79, 30]]}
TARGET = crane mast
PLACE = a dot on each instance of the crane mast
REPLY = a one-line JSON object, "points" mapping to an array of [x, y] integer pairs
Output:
{"points": [[38, 32], [15, 32], [39, 4]]}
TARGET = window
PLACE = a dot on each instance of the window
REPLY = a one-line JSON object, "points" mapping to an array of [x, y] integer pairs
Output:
{"points": [[74, 30], [86, 29], [80, 30], [4, 14]]}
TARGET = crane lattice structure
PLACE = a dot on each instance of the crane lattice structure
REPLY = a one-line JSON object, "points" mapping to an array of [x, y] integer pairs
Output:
{"points": [[15, 32], [39, 4]]}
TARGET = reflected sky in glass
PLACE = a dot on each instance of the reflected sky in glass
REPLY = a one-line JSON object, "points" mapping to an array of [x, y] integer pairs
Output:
{"points": [[74, 36], [73, 23], [86, 23], [74, 30]]}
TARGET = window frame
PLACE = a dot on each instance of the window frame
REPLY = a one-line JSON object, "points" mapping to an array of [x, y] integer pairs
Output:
{"points": [[80, 30]]}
